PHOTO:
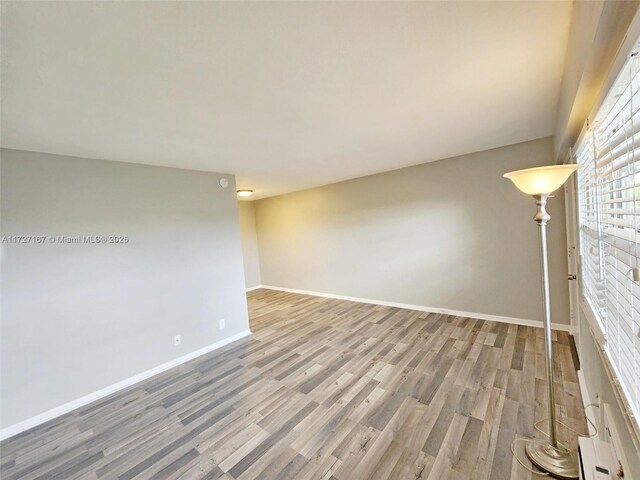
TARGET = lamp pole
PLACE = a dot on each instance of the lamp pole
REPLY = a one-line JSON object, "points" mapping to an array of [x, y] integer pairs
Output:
{"points": [[541, 218], [549, 457]]}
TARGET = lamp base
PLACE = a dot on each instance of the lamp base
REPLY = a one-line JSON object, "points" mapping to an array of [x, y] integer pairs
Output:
{"points": [[558, 464]]}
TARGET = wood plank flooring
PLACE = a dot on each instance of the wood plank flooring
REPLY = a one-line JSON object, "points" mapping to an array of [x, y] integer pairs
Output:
{"points": [[323, 389]]}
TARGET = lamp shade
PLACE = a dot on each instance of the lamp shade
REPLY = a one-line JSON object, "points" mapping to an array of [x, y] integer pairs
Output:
{"points": [[541, 180]]}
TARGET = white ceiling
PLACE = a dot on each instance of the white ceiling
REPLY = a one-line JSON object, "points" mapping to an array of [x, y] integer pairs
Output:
{"points": [[285, 95]]}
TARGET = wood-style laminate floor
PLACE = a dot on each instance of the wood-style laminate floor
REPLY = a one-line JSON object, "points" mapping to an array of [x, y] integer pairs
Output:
{"points": [[323, 389]]}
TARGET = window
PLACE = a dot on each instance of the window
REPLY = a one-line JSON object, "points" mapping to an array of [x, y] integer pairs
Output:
{"points": [[609, 216]]}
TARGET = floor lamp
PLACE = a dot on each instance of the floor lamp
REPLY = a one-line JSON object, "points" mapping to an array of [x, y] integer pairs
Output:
{"points": [[540, 183]]}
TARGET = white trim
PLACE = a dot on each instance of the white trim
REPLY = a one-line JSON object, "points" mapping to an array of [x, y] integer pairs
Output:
{"points": [[586, 401], [582, 382], [20, 427], [612, 437], [421, 308], [251, 289], [594, 325]]}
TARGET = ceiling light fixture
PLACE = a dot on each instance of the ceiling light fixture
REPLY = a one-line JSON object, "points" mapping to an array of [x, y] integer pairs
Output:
{"points": [[244, 193]]}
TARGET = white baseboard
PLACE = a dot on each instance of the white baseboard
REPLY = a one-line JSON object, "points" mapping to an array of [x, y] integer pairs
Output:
{"points": [[422, 308], [251, 289], [20, 427]]}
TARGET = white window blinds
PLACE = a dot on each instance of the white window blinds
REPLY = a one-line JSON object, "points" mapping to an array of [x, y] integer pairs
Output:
{"points": [[609, 215]]}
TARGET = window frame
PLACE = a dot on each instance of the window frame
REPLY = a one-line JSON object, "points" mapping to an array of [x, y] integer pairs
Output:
{"points": [[586, 307]]}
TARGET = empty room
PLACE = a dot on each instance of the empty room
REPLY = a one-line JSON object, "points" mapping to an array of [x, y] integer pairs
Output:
{"points": [[320, 240]]}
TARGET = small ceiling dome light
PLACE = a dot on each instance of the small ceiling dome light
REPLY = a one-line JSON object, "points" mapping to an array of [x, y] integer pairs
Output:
{"points": [[244, 193]]}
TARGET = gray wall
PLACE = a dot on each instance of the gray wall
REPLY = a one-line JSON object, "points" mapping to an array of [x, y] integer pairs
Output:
{"points": [[77, 318], [249, 244], [449, 234]]}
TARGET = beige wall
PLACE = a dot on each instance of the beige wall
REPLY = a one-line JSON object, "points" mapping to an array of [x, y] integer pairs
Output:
{"points": [[449, 234], [249, 237], [597, 29]]}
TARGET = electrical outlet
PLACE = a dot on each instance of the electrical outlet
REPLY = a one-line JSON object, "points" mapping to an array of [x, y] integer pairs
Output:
{"points": [[222, 324], [177, 340]]}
